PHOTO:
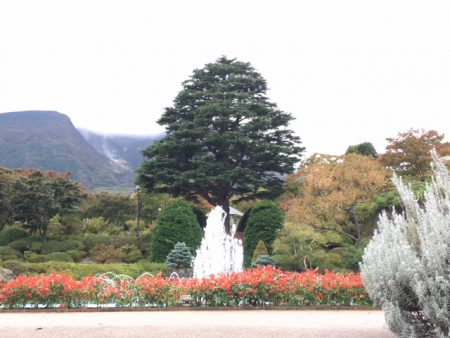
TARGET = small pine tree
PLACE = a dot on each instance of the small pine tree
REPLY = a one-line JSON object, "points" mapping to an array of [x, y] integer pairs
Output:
{"points": [[180, 257], [265, 260], [261, 250]]}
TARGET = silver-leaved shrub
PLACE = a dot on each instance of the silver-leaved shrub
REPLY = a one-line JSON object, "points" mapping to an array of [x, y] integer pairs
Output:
{"points": [[406, 266]]}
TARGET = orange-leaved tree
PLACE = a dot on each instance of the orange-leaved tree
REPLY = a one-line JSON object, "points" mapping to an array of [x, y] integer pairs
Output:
{"points": [[327, 190], [409, 153]]}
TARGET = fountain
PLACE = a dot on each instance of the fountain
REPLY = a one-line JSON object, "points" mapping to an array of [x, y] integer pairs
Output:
{"points": [[219, 252]]}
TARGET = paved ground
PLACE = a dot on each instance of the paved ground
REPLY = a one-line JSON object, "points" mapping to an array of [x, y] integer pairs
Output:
{"points": [[242, 324]]}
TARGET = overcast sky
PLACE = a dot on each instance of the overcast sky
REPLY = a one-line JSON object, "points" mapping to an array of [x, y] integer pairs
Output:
{"points": [[349, 71]]}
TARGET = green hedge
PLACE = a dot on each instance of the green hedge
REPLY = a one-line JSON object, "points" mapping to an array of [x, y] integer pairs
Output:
{"points": [[264, 222], [81, 270], [177, 223]]}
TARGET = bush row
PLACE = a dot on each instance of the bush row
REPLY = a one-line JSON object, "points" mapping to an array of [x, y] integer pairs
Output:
{"points": [[255, 287], [78, 270]]}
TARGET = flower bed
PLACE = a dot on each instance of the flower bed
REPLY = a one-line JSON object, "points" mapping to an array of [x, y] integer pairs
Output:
{"points": [[264, 286]]}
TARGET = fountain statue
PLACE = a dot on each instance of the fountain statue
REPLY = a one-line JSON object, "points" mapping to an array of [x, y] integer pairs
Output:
{"points": [[219, 252]]}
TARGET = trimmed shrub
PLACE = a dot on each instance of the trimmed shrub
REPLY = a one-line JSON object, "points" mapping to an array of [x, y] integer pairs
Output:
{"points": [[12, 233], [123, 240], [76, 254], [264, 222], [22, 244], [72, 244], [177, 223], [180, 257], [52, 246], [7, 253], [103, 253], [59, 257], [131, 253], [33, 257], [91, 240]]}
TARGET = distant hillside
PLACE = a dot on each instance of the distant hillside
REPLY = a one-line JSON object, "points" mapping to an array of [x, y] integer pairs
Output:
{"points": [[125, 150], [48, 140]]}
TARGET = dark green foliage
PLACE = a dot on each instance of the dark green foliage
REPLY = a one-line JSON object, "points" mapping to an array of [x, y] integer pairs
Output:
{"points": [[365, 149], [180, 257], [33, 257], [91, 240], [76, 255], [9, 234], [265, 260], [144, 242], [264, 222], [7, 253], [224, 138], [59, 257], [57, 246], [243, 221], [352, 256], [82, 270], [21, 245], [49, 246], [201, 217], [177, 223], [131, 254]]}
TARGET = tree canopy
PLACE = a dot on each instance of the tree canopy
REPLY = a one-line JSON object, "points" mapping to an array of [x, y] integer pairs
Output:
{"points": [[365, 149], [329, 192], [224, 138], [410, 153]]}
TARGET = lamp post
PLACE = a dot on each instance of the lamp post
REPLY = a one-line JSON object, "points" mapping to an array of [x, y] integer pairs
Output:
{"points": [[138, 211]]}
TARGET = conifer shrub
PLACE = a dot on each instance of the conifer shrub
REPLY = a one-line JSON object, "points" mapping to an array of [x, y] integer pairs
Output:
{"points": [[21, 244], [406, 266], [260, 250], [264, 260], [179, 257], [177, 223], [264, 222]]}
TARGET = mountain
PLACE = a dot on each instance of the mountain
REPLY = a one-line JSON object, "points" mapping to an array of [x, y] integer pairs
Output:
{"points": [[124, 150], [48, 140]]}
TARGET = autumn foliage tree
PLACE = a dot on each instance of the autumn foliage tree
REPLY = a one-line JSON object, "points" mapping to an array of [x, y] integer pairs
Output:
{"points": [[409, 153], [327, 192]]}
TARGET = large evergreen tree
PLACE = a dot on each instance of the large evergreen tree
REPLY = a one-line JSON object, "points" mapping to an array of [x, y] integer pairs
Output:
{"points": [[224, 138]]}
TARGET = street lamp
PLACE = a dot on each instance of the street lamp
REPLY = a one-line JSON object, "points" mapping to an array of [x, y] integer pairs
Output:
{"points": [[138, 211]]}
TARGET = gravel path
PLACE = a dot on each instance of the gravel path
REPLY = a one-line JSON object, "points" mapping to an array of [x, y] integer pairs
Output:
{"points": [[242, 324]]}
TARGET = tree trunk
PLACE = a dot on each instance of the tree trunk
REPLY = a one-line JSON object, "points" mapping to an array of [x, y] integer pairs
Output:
{"points": [[225, 204], [358, 226]]}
